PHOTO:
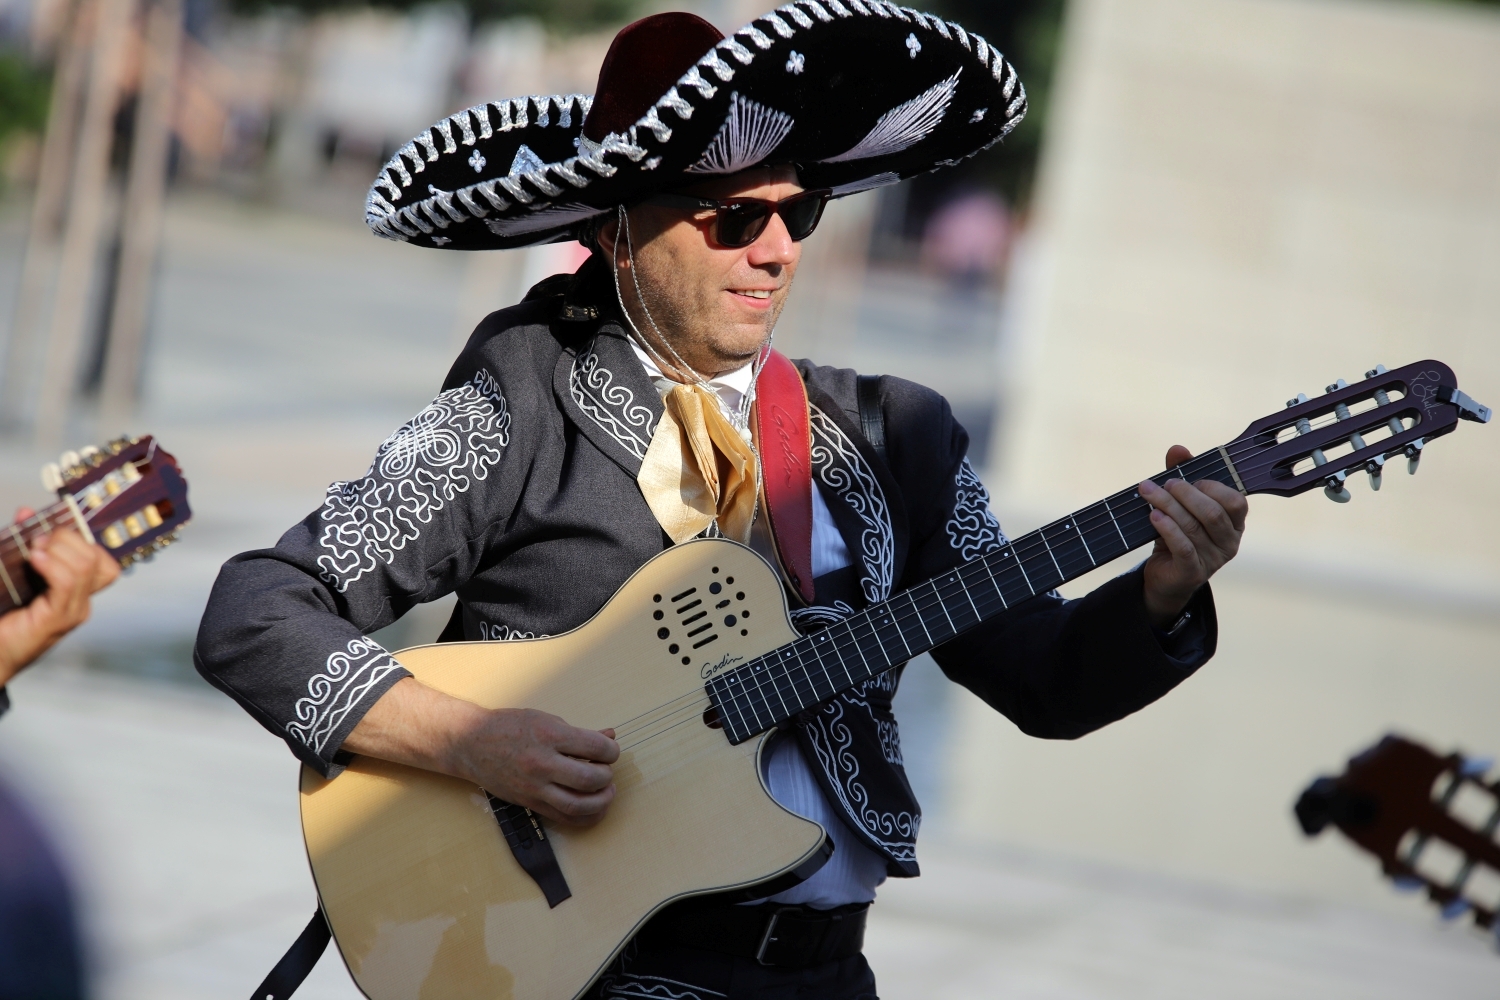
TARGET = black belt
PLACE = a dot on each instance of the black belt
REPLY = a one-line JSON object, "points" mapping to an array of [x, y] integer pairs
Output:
{"points": [[791, 937]]}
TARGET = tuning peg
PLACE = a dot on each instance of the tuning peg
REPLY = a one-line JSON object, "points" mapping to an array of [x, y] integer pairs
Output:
{"points": [[52, 477], [1413, 456], [1375, 467], [1455, 909], [1476, 767], [69, 459], [1340, 384], [91, 455], [1377, 370], [1301, 398], [1335, 489]]}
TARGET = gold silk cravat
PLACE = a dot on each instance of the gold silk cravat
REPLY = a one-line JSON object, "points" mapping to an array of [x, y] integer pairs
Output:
{"points": [[698, 468]]}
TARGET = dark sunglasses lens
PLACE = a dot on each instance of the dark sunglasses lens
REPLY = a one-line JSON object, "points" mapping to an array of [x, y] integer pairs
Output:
{"points": [[801, 216], [741, 222]]}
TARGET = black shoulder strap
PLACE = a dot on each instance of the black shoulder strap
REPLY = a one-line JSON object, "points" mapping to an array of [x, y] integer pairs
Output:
{"points": [[297, 962], [871, 415]]}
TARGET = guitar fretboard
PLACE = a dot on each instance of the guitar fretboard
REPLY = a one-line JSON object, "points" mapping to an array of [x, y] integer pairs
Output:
{"points": [[775, 687], [16, 578]]}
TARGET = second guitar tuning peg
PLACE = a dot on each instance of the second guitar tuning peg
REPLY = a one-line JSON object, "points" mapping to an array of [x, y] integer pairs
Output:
{"points": [[1335, 489]]}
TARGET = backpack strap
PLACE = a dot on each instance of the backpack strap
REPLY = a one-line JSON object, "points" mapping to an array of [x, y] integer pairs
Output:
{"points": [[785, 445], [871, 415]]}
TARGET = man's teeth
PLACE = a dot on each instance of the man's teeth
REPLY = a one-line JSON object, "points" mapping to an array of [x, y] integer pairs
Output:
{"points": [[757, 293]]}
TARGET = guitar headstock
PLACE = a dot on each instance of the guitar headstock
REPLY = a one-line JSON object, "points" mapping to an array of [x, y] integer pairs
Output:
{"points": [[131, 493], [1351, 429], [1430, 820]]}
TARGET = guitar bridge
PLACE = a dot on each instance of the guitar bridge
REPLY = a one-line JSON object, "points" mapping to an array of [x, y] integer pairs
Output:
{"points": [[523, 831]]}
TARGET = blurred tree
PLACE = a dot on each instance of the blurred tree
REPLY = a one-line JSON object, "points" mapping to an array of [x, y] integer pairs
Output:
{"points": [[564, 16], [23, 95]]}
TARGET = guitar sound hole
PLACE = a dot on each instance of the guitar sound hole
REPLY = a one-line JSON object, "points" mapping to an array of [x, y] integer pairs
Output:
{"points": [[673, 648], [658, 615], [715, 587], [711, 718]]}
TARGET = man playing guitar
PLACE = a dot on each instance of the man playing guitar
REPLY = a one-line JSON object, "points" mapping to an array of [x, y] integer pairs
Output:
{"points": [[609, 416]]}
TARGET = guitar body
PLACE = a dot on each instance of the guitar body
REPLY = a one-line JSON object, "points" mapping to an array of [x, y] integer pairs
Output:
{"points": [[424, 896]]}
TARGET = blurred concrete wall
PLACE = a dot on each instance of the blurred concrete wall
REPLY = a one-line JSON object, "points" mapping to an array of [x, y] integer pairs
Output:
{"points": [[1240, 200]]}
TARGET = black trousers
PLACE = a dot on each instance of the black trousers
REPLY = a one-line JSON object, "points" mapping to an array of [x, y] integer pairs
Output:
{"points": [[689, 974]]}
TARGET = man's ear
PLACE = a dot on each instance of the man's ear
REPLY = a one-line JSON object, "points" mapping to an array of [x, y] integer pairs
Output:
{"points": [[606, 238]]}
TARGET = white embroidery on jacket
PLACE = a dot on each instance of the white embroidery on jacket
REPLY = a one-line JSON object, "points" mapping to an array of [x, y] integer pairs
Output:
{"points": [[417, 471], [627, 984], [503, 633], [833, 743], [973, 530], [817, 617], [347, 677], [612, 407], [843, 469]]}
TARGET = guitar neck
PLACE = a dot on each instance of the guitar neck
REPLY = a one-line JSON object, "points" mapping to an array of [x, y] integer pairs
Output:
{"points": [[775, 687], [18, 584]]}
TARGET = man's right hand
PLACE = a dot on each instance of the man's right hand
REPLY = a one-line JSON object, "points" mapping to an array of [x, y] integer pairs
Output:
{"points": [[521, 755]]}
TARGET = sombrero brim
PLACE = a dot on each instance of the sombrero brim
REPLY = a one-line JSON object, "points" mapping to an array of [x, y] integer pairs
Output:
{"points": [[856, 93]]}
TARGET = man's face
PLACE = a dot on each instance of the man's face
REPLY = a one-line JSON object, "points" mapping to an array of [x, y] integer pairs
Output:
{"points": [[715, 305]]}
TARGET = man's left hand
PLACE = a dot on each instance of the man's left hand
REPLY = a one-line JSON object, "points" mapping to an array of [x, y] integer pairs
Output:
{"points": [[73, 570], [1200, 526]]}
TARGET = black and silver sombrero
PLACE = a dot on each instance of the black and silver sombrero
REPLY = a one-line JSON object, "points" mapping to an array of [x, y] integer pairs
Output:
{"points": [[856, 93]]}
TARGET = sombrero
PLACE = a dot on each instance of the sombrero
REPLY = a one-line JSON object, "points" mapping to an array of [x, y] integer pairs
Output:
{"points": [[856, 93]]}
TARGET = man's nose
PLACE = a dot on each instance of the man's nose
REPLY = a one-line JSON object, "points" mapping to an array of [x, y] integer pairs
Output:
{"points": [[774, 245]]}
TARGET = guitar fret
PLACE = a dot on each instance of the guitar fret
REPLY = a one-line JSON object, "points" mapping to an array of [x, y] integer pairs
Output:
{"points": [[10, 587], [1115, 521], [1048, 545], [918, 612], [20, 542], [824, 638], [1086, 549]]}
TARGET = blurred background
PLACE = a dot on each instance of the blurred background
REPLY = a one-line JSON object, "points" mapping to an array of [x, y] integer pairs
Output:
{"points": [[1213, 205]]}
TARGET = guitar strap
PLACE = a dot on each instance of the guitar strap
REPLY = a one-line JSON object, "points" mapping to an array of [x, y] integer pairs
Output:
{"points": [[297, 962], [784, 440]]}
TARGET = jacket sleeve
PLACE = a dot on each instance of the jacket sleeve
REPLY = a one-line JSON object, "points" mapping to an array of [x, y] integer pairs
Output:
{"points": [[1056, 668], [286, 630]]}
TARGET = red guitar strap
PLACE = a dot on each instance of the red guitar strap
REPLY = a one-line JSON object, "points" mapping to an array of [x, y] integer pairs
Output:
{"points": [[784, 441]]}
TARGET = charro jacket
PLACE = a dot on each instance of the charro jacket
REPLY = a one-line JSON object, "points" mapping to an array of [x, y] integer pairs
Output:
{"points": [[516, 489]]}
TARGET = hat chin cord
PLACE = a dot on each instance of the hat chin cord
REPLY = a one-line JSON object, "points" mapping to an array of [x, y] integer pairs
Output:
{"points": [[623, 228]]}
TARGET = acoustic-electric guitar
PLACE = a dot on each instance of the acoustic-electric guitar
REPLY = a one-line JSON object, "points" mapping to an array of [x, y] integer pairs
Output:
{"points": [[435, 889], [128, 497]]}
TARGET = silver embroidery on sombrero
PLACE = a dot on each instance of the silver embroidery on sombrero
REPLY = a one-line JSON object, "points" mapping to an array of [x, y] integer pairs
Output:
{"points": [[417, 472], [348, 675], [905, 125], [750, 133], [972, 530], [612, 407], [504, 195], [841, 467]]}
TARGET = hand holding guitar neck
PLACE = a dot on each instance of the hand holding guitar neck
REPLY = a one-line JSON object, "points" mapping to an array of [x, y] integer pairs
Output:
{"points": [[1199, 527], [73, 571]]}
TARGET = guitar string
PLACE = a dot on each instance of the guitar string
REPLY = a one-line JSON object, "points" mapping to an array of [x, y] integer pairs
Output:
{"points": [[59, 508], [1034, 545]]}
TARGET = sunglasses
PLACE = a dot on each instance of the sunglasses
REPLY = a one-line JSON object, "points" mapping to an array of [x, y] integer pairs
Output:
{"points": [[740, 221]]}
